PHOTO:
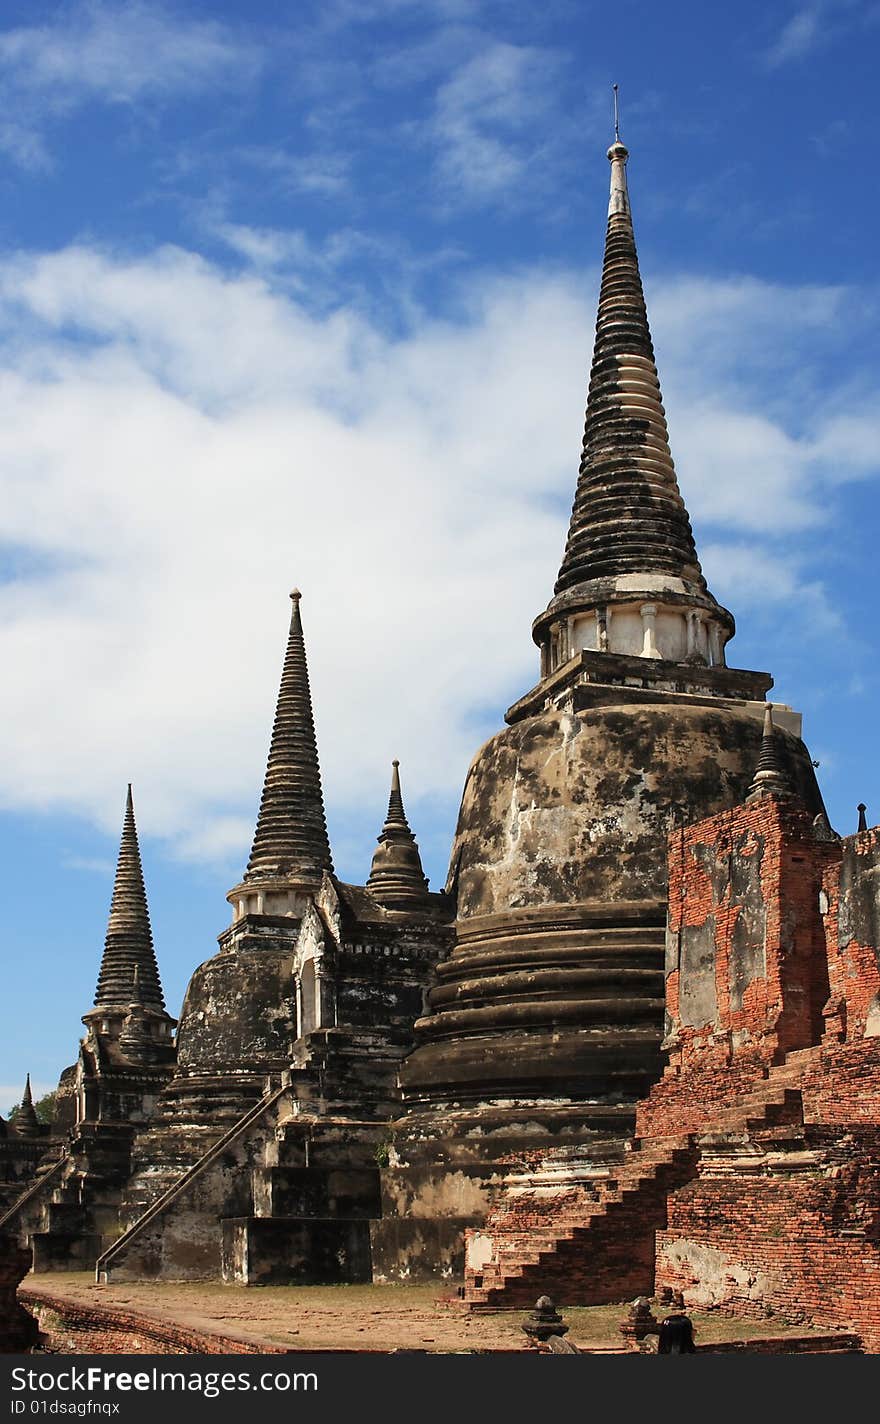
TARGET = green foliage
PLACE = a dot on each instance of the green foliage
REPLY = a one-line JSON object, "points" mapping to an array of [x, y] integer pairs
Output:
{"points": [[382, 1154], [44, 1107]]}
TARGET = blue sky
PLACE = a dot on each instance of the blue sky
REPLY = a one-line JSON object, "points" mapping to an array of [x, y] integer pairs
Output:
{"points": [[305, 295]]}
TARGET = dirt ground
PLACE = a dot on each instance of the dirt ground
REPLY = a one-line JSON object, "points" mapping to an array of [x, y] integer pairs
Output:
{"points": [[416, 1317]]}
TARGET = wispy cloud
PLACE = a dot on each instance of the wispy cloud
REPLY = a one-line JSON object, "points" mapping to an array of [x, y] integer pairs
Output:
{"points": [[486, 117], [325, 172], [754, 578], [375, 271], [815, 25], [111, 53], [92, 864]]}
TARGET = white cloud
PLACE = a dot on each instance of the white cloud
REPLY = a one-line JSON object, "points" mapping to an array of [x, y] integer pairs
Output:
{"points": [[114, 53], [798, 35], [850, 443], [324, 171], [816, 24], [486, 117], [265, 247], [757, 576], [94, 864], [179, 447]]}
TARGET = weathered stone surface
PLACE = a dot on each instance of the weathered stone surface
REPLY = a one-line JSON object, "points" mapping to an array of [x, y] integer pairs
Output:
{"points": [[628, 513], [544, 1322], [575, 807], [129, 942], [396, 878], [291, 835], [293, 1251], [19, 1331]]}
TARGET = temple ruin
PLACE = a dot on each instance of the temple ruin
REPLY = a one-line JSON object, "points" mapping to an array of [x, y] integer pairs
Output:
{"points": [[633, 1040]]}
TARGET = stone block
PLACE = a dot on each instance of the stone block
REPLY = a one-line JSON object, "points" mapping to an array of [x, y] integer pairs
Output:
{"points": [[294, 1251]]}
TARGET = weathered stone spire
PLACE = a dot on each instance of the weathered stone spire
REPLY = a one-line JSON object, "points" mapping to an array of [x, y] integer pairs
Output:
{"points": [[128, 945], [771, 777], [628, 515], [291, 837], [396, 877], [630, 550], [27, 1124]]}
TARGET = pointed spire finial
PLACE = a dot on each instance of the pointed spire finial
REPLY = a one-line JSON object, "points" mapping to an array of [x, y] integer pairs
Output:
{"points": [[863, 821], [771, 774], [396, 814], [27, 1124], [615, 88], [396, 877], [618, 153], [128, 946], [291, 839]]}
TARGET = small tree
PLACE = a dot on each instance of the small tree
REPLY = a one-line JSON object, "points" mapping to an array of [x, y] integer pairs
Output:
{"points": [[44, 1107]]}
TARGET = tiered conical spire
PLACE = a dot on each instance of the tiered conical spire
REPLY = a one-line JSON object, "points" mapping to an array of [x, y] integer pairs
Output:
{"points": [[771, 777], [628, 514], [396, 877], [291, 836], [27, 1124], [129, 941]]}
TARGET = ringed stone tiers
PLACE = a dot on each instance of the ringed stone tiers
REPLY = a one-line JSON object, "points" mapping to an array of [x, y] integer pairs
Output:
{"points": [[547, 1016], [396, 877], [290, 842], [127, 1053], [630, 580], [128, 945], [26, 1120]]}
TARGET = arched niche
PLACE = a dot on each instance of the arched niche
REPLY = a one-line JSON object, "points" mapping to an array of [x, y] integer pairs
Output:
{"points": [[308, 999]]}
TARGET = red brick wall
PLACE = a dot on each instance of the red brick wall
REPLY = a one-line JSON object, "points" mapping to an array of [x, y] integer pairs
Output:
{"points": [[757, 865], [850, 885], [806, 1249], [101, 1330], [688, 1102], [842, 1085], [778, 1006], [805, 1246]]}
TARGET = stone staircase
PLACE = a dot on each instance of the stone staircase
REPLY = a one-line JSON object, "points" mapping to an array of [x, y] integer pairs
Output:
{"points": [[315, 1189], [591, 1241], [191, 1116], [71, 1211], [275, 1188]]}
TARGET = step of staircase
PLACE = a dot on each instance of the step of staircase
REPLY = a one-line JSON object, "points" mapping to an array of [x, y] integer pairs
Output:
{"points": [[630, 1199]]}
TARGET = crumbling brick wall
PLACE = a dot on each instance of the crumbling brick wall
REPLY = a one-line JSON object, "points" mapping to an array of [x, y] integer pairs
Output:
{"points": [[74, 1329], [747, 976], [850, 902], [803, 1248], [773, 947]]}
